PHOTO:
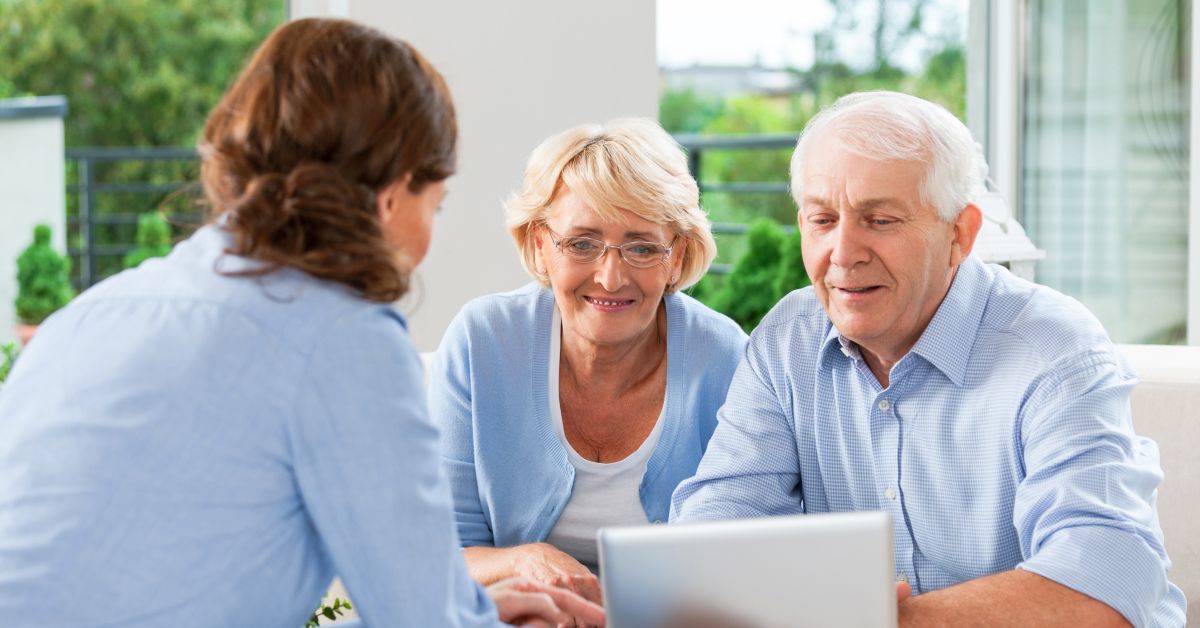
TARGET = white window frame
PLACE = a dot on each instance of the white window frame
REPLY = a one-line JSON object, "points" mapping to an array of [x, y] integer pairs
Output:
{"points": [[1193, 280]]}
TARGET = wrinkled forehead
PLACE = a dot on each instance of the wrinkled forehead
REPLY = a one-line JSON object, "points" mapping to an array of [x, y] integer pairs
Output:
{"points": [[836, 167]]}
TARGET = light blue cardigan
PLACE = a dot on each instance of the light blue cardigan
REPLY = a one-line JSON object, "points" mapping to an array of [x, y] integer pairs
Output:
{"points": [[488, 391]]}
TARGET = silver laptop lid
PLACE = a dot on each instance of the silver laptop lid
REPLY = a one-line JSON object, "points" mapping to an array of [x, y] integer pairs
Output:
{"points": [[778, 572]]}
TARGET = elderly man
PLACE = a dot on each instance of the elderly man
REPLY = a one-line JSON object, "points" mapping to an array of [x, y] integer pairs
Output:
{"points": [[990, 416]]}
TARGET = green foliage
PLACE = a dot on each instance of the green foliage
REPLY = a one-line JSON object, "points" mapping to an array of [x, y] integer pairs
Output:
{"points": [[8, 355], [330, 612], [43, 279], [769, 262], [686, 111], [792, 275], [769, 269], [135, 72], [153, 239]]}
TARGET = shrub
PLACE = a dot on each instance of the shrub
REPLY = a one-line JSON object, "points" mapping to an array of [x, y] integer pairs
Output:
{"points": [[153, 239], [770, 268], [8, 355], [43, 279]]}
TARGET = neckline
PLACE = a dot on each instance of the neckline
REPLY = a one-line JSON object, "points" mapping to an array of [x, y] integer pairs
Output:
{"points": [[639, 455]]}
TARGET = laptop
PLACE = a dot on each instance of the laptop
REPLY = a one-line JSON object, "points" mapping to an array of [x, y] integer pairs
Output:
{"points": [[777, 572]]}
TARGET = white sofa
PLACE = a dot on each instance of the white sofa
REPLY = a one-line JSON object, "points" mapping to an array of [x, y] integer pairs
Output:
{"points": [[1166, 407]]}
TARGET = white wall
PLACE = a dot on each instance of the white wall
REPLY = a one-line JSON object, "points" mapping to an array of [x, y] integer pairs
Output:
{"points": [[32, 191], [520, 71]]}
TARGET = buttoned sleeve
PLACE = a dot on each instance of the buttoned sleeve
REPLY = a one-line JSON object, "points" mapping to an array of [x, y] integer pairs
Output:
{"points": [[366, 462], [451, 408], [750, 468], [1085, 510]]}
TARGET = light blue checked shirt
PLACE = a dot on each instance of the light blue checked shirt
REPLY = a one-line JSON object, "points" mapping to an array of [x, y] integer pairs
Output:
{"points": [[1004, 441]]}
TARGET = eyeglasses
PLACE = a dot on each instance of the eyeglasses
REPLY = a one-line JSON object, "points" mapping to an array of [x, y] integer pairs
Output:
{"points": [[587, 250]]}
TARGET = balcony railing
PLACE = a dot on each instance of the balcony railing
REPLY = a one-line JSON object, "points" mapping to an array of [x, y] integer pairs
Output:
{"points": [[110, 188], [699, 145]]}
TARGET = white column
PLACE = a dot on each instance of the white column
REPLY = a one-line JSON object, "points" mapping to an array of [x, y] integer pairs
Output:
{"points": [[520, 71], [32, 186]]}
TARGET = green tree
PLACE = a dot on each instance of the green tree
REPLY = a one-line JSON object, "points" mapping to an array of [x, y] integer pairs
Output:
{"points": [[43, 279], [750, 114], [135, 72], [153, 239], [686, 111]]}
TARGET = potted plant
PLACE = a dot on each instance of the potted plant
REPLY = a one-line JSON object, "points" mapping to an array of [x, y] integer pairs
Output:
{"points": [[43, 283], [153, 239]]}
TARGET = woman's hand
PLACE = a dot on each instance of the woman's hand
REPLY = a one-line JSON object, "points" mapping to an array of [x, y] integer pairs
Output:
{"points": [[524, 602], [549, 565], [540, 562]]}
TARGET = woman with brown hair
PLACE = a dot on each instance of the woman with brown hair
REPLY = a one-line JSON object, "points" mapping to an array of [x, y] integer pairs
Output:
{"points": [[209, 438]]}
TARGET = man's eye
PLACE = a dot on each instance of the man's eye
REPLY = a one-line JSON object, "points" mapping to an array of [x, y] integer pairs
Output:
{"points": [[883, 222]]}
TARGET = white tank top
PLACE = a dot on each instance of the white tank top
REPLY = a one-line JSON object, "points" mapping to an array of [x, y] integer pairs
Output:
{"points": [[604, 494]]}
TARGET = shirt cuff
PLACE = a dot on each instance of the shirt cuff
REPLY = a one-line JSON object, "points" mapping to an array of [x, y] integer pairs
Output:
{"points": [[1113, 566]]}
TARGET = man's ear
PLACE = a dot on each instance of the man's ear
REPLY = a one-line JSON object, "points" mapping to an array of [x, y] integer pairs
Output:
{"points": [[966, 229]]}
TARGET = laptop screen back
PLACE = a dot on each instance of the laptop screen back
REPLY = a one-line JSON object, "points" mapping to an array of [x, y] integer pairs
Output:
{"points": [[778, 572]]}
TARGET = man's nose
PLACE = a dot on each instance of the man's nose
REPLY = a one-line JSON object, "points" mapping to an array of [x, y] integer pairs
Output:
{"points": [[849, 246], [610, 270]]}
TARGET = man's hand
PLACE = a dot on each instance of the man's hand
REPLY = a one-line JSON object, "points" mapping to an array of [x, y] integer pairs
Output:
{"points": [[903, 591], [524, 602]]}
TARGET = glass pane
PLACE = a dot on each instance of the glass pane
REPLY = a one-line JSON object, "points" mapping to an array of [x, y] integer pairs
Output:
{"points": [[1105, 159]]}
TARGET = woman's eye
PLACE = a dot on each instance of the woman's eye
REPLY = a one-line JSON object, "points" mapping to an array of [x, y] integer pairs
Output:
{"points": [[642, 249], [581, 245]]}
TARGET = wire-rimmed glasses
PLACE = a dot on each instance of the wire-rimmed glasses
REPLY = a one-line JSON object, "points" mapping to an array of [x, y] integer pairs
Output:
{"points": [[586, 250]]}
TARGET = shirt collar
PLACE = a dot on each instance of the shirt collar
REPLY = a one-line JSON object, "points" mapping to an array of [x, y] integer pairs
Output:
{"points": [[950, 336]]}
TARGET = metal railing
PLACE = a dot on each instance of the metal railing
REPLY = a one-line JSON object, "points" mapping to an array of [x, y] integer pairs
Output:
{"points": [[91, 195], [91, 198], [697, 145]]}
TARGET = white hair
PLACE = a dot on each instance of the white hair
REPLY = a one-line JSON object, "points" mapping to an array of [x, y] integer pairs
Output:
{"points": [[890, 126]]}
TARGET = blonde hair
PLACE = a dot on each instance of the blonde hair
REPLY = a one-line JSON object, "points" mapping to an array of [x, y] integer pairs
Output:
{"points": [[629, 164]]}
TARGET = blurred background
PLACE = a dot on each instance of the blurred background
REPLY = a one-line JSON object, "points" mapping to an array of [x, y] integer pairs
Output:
{"points": [[1082, 107]]}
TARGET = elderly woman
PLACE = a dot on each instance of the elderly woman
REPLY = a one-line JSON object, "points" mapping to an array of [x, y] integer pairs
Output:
{"points": [[209, 438], [581, 401]]}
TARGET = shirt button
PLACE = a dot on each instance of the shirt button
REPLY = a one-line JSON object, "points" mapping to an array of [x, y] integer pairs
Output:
{"points": [[902, 577], [658, 522], [885, 405], [890, 493]]}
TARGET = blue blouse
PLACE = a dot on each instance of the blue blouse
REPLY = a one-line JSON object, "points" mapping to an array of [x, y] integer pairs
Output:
{"points": [[183, 448], [509, 471]]}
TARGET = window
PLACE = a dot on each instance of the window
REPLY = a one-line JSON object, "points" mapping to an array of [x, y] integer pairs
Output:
{"points": [[1104, 173]]}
